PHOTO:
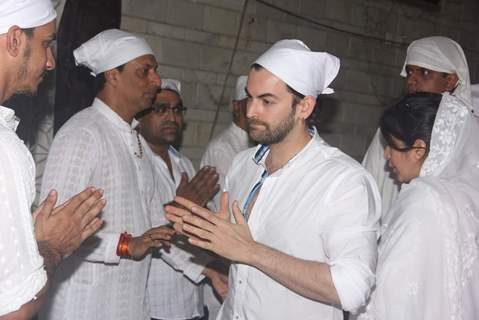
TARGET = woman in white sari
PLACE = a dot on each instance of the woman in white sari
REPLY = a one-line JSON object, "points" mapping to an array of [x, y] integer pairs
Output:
{"points": [[428, 266]]}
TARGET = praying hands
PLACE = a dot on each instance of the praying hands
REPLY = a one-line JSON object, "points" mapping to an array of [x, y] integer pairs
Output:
{"points": [[214, 232]]}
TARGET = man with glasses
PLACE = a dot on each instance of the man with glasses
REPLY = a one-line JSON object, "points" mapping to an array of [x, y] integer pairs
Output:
{"points": [[173, 283]]}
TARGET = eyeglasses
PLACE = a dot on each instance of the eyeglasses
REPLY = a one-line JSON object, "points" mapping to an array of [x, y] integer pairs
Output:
{"points": [[164, 108]]}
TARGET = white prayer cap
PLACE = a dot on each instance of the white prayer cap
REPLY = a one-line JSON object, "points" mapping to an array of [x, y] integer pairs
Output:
{"points": [[240, 92], [441, 54], [25, 13], [307, 72], [110, 49], [171, 84]]}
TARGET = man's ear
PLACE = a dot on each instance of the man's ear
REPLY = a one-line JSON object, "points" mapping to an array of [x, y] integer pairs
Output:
{"points": [[111, 76], [452, 80], [305, 107], [15, 39], [420, 150]]}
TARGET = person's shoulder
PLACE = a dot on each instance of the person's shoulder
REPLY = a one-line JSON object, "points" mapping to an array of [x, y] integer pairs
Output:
{"points": [[86, 121]]}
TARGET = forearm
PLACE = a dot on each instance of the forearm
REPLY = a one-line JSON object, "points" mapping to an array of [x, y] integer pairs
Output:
{"points": [[310, 279], [29, 309]]}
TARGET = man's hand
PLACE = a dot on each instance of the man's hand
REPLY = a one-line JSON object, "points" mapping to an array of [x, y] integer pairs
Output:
{"points": [[157, 237], [212, 231], [61, 230], [201, 188], [217, 274]]}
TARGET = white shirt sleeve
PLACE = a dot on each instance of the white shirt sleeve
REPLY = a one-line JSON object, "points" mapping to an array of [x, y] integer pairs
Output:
{"points": [[69, 167], [22, 274], [349, 234]]}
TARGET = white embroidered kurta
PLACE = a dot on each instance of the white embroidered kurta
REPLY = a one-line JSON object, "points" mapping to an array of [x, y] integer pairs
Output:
{"points": [[173, 281], [417, 253], [96, 148], [321, 206], [22, 274], [428, 266]]}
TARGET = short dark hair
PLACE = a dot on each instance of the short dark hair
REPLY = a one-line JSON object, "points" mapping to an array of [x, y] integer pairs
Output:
{"points": [[28, 32], [410, 119], [100, 79]]}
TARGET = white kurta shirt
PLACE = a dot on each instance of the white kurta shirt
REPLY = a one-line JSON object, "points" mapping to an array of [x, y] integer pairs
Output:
{"points": [[221, 151], [321, 206], [22, 274], [96, 148], [172, 283], [418, 259]]}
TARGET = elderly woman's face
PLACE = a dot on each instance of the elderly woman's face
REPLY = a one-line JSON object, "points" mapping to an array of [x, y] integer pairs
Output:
{"points": [[405, 163]]}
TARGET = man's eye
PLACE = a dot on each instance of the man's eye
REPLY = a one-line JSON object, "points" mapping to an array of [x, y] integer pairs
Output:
{"points": [[267, 102], [425, 72]]}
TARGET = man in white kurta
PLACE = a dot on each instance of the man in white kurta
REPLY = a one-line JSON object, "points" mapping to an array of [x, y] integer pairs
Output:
{"points": [[304, 244], [438, 65], [29, 250], [174, 286], [100, 146]]}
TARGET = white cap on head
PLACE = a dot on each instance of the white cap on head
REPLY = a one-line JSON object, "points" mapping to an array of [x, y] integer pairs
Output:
{"points": [[25, 13], [307, 72], [110, 49], [441, 54], [171, 84], [240, 92]]}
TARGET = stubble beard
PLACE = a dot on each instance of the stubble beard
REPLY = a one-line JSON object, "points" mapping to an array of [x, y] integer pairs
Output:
{"points": [[272, 136]]}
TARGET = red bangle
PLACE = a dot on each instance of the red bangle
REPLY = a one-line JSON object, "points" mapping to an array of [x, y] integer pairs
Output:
{"points": [[122, 248]]}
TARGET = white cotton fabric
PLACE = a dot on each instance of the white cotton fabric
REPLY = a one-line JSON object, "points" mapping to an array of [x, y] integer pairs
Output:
{"points": [[428, 266], [174, 282], [435, 53], [443, 55], [25, 13], [109, 49], [22, 274], [321, 206], [221, 151], [307, 72], [96, 148], [171, 84], [240, 92], [475, 98]]}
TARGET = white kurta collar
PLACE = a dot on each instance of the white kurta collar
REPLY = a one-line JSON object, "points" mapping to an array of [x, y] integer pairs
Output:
{"points": [[8, 118], [113, 117]]}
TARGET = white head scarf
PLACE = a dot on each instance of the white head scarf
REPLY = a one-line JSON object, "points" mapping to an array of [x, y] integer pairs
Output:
{"points": [[25, 13], [307, 72], [171, 84], [110, 49], [443, 55], [240, 92]]}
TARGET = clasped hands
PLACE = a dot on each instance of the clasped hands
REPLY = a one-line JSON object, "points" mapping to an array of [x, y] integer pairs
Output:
{"points": [[214, 231]]}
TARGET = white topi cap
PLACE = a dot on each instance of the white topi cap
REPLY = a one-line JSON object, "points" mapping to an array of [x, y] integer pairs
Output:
{"points": [[240, 92], [171, 84], [307, 72], [110, 49], [25, 13]]}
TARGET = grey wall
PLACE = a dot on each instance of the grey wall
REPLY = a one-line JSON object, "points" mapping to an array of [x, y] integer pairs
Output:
{"points": [[194, 40]]}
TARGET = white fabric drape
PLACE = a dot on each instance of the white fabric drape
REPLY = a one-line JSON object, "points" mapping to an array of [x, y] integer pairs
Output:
{"points": [[428, 266]]}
